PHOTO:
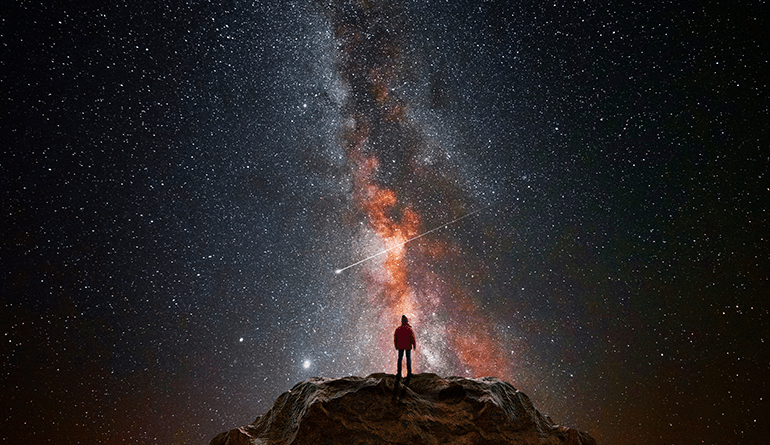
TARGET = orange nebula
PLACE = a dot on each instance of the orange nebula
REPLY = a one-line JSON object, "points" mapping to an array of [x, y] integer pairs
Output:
{"points": [[378, 131]]}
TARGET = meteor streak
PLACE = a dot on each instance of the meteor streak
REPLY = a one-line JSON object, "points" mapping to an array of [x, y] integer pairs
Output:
{"points": [[338, 271]]}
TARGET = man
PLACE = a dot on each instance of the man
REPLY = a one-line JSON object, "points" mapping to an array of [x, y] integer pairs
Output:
{"points": [[403, 340]]}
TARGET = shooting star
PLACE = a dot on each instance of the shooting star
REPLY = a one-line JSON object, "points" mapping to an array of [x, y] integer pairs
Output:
{"points": [[339, 271]]}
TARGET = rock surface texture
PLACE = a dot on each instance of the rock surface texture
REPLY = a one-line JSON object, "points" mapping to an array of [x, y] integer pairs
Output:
{"points": [[427, 410]]}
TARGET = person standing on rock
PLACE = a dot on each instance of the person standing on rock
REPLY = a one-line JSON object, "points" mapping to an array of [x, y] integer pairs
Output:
{"points": [[404, 341]]}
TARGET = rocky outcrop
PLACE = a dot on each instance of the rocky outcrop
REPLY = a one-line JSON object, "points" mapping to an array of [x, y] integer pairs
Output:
{"points": [[378, 410]]}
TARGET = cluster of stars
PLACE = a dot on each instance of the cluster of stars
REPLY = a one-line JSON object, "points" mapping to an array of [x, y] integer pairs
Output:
{"points": [[180, 183]]}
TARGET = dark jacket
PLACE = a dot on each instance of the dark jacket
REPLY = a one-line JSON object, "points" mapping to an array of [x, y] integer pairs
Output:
{"points": [[403, 338]]}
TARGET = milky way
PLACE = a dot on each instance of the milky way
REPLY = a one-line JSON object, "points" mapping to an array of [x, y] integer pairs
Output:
{"points": [[400, 178], [567, 196]]}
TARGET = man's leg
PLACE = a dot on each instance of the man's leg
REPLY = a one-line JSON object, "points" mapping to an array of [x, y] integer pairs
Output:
{"points": [[400, 357], [408, 363]]}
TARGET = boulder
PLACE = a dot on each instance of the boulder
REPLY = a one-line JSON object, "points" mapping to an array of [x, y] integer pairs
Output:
{"points": [[427, 409]]}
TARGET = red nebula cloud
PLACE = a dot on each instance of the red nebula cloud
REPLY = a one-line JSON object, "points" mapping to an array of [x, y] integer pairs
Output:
{"points": [[469, 334], [371, 63]]}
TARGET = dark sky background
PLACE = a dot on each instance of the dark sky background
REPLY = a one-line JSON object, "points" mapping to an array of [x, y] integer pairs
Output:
{"points": [[180, 181]]}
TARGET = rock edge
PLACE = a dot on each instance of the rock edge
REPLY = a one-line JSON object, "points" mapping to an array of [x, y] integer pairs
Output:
{"points": [[379, 410]]}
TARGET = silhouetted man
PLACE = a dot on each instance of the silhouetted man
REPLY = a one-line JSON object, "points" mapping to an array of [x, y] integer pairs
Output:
{"points": [[403, 340]]}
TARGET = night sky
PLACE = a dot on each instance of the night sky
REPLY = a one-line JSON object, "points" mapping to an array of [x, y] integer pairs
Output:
{"points": [[571, 196]]}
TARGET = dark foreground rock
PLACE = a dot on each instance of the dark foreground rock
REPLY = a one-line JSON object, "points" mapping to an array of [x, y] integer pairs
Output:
{"points": [[428, 410]]}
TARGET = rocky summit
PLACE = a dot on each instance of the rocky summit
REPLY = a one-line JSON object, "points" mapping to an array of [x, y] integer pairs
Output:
{"points": [[427, 409]]}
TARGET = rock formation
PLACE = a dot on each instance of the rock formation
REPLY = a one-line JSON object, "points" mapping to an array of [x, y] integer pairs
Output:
{"points": [[378, 410]]}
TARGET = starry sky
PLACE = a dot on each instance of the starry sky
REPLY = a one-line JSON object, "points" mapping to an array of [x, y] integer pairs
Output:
{"points": [[204, 203]]}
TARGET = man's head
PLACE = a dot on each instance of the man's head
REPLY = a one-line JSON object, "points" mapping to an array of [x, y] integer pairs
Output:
{"points": [[404, 319]]}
